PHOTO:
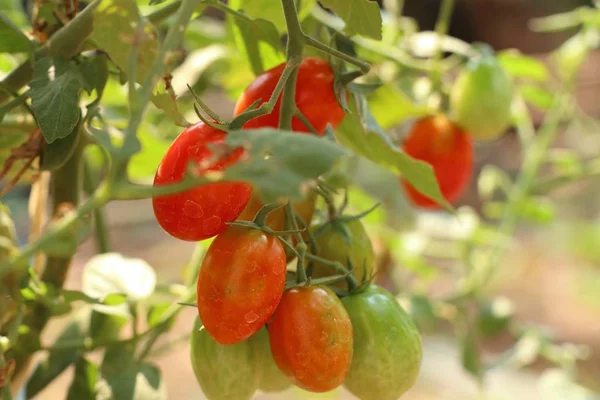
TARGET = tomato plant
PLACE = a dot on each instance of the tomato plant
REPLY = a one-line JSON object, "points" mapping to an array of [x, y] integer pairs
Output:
{"points": [[311, 338], [443, 144], [203, 211], [315, 97], [240, 283], [100, 97], [387, 346]]}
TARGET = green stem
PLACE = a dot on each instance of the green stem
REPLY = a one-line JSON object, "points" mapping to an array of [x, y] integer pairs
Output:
{"points": [[291, 223], [336, 266], [545, 186], [535, 157], [156, 17], [100, 229], [441, 29], [294, 50], [172, 39], [265, 108], [364, 67]]}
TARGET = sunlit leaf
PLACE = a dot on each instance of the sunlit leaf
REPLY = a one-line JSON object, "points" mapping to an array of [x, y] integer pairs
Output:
{"points": [[117, 29], [110, 273], [522, 66], [362, 17]]}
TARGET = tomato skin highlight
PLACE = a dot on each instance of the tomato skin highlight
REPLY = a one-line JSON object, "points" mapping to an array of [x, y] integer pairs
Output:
{"points": [[311, 338], [481, 97], [240, 283], [315, 97], [332, 246], [203, 211], [224, 372], [271, 380], [387, 346], [448, 149]]}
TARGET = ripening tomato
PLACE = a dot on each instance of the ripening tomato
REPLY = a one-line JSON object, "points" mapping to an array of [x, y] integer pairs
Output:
{"points": [[315, 97], [240, 283], [224, 372], [481, 97], [271, 378], [448, 149], [387, 346], [311, 338], [343, 242], [203, 211]]}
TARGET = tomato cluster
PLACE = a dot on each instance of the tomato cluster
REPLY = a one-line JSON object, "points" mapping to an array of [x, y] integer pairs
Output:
{"points": [[256, 330]]}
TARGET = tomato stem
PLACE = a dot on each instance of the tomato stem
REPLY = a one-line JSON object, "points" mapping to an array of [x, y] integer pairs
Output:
{"points": [[441, 30], [100, 228]]}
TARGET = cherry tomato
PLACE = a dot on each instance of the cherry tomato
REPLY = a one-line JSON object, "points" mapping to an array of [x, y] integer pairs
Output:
{"points": [[203, 211], [441, 143], [311, 338], [315, 97], [343, 242], [481, 97], [271, 378], [387, 346], [224, 372], [240, 283]]}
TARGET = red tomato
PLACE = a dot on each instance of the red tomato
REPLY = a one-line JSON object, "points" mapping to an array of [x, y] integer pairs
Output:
{"points": [[315, 97], [204, 211], [240, 283], [311, 338], [441, 143]]}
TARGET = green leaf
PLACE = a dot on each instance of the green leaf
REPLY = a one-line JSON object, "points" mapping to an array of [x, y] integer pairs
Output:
{"points": [[59, 359], [13, 39], [83, 386], [390, 107], [362, 17], [522, 66], [274, 13], [569, 57], [55, 96], [471, 355], [129, 379], [75, 295], [258, 40], [116, 25], [279, 162], [361, 134], [537, 96], [144, 163], [56, 154], [155, 315], [95, 73], [110, 273]]}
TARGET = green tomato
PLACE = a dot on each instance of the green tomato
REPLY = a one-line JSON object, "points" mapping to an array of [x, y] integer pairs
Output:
{"points": [[224, 372], [343, 241], [271, 378], [480, 98], [387, 346]]}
